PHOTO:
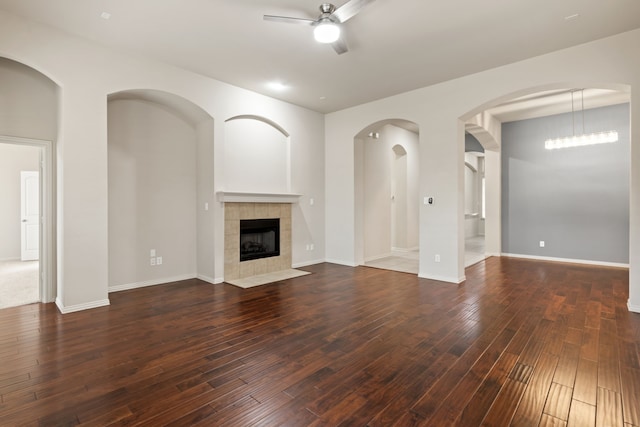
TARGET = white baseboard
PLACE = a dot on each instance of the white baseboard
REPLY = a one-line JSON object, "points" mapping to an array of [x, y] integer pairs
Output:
{"points": [[568, 260], [340, 262], [307, 263], [164, 280], [447, 279], [407, 250], [9, 259], [206, 279], [79, 307], [633, 308], [377, 257]]}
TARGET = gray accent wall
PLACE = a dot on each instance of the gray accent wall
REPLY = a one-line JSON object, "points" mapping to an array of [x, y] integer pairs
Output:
{"points": [[576, 200], [471, 143]]}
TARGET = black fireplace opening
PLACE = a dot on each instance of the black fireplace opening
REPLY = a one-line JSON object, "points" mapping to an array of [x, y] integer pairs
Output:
{"points": [[259, 238]]}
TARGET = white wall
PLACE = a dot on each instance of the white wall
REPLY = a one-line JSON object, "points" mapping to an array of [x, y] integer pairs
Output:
{"points": [[86, 74], [13, 160], [440, 111]]}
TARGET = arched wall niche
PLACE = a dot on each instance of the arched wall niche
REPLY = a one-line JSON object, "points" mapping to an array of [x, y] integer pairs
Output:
{"points": [[257, 154], [160, 177], [386, 168], [260, 119]]}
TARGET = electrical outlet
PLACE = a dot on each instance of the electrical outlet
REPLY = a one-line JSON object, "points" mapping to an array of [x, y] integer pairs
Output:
{"points": [[153, 261], [152, 252], [437, 258], [542, 243], [159, 260], [311, 247]]}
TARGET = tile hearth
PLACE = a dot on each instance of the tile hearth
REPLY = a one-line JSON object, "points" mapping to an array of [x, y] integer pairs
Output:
{"points": [[263, 279]]}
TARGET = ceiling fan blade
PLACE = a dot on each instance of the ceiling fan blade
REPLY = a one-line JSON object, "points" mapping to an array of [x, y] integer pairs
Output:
{"points": [[349, 9], [289, 20], [340, 46]]}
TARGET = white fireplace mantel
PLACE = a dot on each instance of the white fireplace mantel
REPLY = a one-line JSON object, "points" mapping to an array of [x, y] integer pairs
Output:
{"points": [[242, 197]]}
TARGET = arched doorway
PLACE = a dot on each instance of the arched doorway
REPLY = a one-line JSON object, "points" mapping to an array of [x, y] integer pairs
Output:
{"points": [[28, 132], [386, 157], [524, 204]]}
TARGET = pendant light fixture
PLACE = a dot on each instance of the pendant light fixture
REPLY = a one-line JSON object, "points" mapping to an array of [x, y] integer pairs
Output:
{"points": [[583, 139]]}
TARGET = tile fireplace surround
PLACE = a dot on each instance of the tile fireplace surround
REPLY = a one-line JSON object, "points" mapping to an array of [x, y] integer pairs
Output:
{"points": [[233, 213]]}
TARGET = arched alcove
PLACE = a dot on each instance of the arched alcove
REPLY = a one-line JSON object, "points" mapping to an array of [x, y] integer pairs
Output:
{"points": [[386, 194], [518, 193], [257, 156], [28, 133], [160, 164]]}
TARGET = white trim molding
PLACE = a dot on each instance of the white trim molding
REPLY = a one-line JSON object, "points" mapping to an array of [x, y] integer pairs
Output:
{"points": [[307, 263], [206, 279], [240, 197], [633, 308], [453, 280], [163, 281], [568, 260], [80, 307]]}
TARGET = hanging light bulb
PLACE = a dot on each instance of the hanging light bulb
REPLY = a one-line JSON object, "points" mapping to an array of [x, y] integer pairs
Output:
{"points": [[326, 31]]}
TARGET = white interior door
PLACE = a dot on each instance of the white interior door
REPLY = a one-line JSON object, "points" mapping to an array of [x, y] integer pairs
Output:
{"points": [[30, 215]]}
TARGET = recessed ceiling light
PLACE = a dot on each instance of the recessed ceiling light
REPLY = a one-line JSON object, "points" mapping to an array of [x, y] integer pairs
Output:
{"points": [[105, 15], [277, 86], [572, 17]]}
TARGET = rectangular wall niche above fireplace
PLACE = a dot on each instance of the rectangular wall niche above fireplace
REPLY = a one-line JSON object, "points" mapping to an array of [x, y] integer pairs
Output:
{"points": [[259, 238]]}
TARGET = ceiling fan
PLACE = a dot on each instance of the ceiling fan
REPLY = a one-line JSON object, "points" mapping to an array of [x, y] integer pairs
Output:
{"points": [[327, 26]]}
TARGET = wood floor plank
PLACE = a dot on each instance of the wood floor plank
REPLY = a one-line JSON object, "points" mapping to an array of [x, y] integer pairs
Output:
{"points": [[586, 385], [558, 401], [512, 345], [533, 400], [581, 415], [630, 379], [609, 409], [567, 365]]}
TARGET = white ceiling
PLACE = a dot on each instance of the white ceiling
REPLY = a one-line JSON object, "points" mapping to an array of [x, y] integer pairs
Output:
{"points": [[395, 45]]}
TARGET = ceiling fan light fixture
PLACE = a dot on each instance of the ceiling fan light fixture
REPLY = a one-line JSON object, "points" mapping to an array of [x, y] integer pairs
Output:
{"points": [[326, 32]]}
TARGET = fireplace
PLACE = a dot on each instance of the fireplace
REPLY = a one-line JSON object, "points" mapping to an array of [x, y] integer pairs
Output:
{"points": [[234, 213], [259, 238]]}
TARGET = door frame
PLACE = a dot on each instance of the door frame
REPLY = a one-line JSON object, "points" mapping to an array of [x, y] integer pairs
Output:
{"points": [[47, 282]]}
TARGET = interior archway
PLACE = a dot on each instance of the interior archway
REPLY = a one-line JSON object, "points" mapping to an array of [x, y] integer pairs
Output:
{"points": [[535, 104], [386, 194], [29, 124]]}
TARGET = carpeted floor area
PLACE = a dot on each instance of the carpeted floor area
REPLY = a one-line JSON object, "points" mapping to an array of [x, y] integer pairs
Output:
{"points": [[18, 283]]}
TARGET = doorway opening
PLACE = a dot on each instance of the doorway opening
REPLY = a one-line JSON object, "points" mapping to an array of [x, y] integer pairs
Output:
{"points": [[387, 210], [26, 222], [474, 201]]}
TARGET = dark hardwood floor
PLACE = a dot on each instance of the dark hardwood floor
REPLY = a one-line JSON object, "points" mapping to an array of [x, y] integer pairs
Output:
{"points": [[519, 343]]}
